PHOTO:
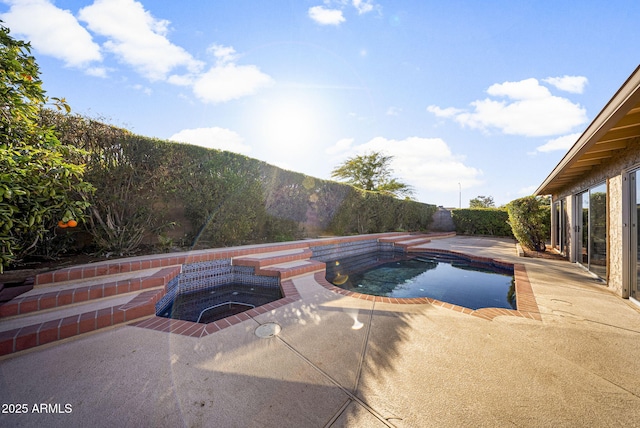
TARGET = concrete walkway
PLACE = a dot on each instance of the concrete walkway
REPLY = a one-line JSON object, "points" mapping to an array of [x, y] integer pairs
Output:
{"points": [[344, 362]]}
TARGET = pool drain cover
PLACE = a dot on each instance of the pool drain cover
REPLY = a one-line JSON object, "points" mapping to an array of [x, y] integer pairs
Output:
{"points": [[267, 330]]}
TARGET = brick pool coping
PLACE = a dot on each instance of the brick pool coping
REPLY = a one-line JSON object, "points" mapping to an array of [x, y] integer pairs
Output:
{"points": [[525, 301], [140, 310]]}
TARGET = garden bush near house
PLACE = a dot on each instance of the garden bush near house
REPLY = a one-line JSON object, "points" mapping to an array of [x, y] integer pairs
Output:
{"points": [[530, 222], [482, 221]]}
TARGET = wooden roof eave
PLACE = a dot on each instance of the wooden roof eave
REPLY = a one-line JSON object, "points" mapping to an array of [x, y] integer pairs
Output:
{"points": [[615, 118]]}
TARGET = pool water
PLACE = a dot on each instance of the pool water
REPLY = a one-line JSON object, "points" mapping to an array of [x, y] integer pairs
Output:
{"points": [[448, 278], [219, 302]]}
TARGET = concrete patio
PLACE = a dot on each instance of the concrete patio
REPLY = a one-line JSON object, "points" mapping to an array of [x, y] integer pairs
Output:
{"points": [[339, 361]]}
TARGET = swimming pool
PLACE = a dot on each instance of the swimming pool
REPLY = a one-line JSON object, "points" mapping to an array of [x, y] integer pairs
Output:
{"points": [[447, 277]]}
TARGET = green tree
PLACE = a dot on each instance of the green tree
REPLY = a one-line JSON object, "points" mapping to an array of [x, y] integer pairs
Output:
{"points": [[482, 202], [372, 172], [40, 178]]}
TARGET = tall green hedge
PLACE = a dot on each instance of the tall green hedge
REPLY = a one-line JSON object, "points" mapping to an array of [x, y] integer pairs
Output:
{"points": [[193, 196], [482, 221]]}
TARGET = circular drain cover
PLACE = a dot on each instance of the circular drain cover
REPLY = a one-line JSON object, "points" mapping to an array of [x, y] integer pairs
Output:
{"points": [[267, 330]]}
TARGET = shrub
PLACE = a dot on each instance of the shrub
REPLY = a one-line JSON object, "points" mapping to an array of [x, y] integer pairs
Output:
{"points": [[529, 222], [41, 179], [482, 221], [215, 198]]}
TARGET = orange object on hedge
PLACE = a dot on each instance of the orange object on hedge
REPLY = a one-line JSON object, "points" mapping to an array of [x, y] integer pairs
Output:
{"points": [[72, 223], [62, 224]]}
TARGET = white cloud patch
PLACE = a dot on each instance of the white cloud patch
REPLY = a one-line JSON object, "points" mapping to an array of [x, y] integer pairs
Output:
{"points": [[529, 110], [54, 32], [526, 191], [137, 38], [393, 111], [324, 16], [228, 81], [561, 143], [425, 163], [213, 138], [363, 6], [573, 84], [340, 146], [333, 13], [444, 112]]}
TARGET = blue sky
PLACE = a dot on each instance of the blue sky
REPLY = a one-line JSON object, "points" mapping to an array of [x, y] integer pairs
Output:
{"points": [[471, 98]]}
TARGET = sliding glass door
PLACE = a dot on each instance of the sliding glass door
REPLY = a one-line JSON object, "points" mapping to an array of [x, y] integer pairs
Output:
{"points": [[591, 214], [634, 190], [598, 230], [559, 212]]}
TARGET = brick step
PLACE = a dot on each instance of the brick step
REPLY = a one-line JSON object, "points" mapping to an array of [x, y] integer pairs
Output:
{"points": [[412, 242], [63, 293], [131, 264], [28, 331], [291, 269], [394, 239], [283, 264], [260, 260]]}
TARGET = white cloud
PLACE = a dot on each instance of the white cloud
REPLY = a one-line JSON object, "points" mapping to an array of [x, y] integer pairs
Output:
{"points": [[444, 112], [531, 110], [363, 6], [528, 89], [213, 138], [324, 16], [526, 191], [573, 84], [561, 143], [137, 38], [223, 54], [393, 111], [54, 32], [229, 81], [425, 163], [340, 146]]}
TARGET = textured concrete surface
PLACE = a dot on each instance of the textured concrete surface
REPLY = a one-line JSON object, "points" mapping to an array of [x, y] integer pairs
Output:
{"points": [[345, 362]]}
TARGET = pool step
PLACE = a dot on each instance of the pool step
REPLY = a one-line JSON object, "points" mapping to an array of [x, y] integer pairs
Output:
{"points": [[63, 293], [284, 264], [413, 242], [64, 309]]}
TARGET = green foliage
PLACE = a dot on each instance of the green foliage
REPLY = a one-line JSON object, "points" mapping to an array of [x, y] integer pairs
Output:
{"points": [[530, 222], [482, 202], [214, 198], [371, 172], [41, 180], [371, 212], [482, 221]]}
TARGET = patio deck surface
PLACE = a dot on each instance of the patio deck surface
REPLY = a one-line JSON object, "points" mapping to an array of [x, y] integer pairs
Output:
{"points": [[341, 361]]}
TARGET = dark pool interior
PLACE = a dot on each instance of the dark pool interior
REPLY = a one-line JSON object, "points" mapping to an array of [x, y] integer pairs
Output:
{"points": [[219, 302], [446, 277]]}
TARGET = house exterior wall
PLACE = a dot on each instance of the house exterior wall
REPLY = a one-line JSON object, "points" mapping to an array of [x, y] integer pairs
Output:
{"points": [[612, 173]]}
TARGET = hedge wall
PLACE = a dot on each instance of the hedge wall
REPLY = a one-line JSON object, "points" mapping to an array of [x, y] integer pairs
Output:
{"points": [[151, 191], [482, 221]]}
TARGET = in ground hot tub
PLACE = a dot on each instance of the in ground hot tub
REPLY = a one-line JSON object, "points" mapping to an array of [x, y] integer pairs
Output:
{"points": [[209, 291], [219, 302]]}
